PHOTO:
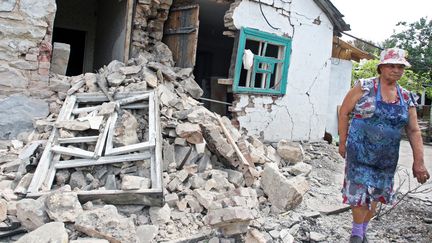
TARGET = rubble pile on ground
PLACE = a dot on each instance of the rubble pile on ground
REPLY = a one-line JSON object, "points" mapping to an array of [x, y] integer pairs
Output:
{"points": [[214, 177]]}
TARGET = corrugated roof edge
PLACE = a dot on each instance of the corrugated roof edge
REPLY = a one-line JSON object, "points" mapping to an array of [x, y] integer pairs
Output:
{"points": [[334, 15]]}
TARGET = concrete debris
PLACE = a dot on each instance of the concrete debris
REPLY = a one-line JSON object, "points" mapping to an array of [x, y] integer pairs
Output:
{"points": [[45, 233], [3, 210], [215, 179], [31, 213], [106, 223], [283, 193], [290, 152], [63, 206]]}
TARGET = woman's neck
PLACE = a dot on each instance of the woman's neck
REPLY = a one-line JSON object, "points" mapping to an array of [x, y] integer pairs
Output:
{"points": [[387, 82]]}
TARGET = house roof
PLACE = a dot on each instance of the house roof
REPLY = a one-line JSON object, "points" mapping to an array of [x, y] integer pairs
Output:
{"points": [[334, 15], [346, 51]]}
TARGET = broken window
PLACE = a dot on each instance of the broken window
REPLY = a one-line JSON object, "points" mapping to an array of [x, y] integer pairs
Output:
{"points": [[262, 63]]}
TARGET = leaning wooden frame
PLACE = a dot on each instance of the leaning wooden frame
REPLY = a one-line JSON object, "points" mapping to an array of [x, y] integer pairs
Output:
{"points": [[104, 152]]}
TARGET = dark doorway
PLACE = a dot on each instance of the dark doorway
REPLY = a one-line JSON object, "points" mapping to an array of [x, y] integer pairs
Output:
{"points": [[76, 39], [97, 30], [214, 52]]}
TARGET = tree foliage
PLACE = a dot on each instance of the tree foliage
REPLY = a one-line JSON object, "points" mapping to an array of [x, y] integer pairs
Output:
{"points": [[367, 69], [364, 46], [416, 39]]}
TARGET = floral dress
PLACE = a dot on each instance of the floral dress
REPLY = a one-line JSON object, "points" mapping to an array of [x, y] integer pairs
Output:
{"points": [[373, 145]]}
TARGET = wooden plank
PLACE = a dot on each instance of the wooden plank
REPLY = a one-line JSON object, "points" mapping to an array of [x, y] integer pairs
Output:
{"points": [[102, 160], [243, 160], [128, 31], [68, 106], [98, 97], [156, 161], [103, 137], [88, 139], [109, 141], [147, 197], [225, 81], [72, 151], [43, 165], [77, 111], [47, 184], [130, 148], [184, 45], [138, 106], [151, 118], [134, 99]]}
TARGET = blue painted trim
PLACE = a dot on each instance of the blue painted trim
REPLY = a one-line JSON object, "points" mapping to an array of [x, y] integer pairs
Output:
{"points": [[256, 35]]}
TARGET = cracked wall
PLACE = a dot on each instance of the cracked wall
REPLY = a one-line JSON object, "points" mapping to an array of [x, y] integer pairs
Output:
{"points": [[302, 113], [25, 46]]}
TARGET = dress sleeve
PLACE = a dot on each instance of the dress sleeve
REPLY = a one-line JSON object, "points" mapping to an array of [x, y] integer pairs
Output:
{"points": [[410, 98]]}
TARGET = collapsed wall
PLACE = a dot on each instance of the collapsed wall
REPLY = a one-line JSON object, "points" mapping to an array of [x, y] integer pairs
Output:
{"points": [[25, 46]]}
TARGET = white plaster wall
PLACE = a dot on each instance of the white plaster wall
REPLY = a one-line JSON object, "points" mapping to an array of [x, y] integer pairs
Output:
{"points": [[301, 113], [340, 83]]}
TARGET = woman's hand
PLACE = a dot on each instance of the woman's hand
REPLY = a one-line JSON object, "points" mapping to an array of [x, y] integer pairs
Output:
{"points": [[342, 150], [420, 172]]}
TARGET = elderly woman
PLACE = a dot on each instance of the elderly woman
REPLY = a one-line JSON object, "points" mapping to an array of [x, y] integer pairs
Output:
{"points": [[370, 143]]}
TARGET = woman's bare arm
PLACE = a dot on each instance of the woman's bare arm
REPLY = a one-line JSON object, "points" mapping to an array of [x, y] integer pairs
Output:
{"points": [[414, 135], [346, 108]]}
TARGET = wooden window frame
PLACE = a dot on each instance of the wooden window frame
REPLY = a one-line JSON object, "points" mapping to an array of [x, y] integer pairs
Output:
{"points": [[262, 64]]}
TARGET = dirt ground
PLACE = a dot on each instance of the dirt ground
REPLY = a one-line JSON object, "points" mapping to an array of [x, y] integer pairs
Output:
{"points": [[409, 221]]}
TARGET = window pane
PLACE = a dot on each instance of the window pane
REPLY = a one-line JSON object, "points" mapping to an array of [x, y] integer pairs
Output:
{"points": [[274, 50], [253, 46]]}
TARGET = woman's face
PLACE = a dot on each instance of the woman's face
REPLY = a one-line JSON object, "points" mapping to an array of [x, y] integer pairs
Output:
{"points": [[392, 72]]}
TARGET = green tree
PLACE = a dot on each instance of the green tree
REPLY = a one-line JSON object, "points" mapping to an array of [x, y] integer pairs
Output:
{"points": [[367, 69], [364, 46], [416, 39]]}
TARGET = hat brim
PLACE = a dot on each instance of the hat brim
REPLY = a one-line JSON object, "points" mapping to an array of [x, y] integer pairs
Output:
{"points": [[390, 61]]}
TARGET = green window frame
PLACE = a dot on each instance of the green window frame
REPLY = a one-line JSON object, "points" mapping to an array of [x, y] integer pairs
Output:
{"points": [[269, 72]]}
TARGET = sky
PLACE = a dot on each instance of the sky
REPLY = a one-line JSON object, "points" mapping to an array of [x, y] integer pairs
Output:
{"points": [[375, 20]]}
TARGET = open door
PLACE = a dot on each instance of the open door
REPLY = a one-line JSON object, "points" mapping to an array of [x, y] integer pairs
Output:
{"points": [[181, 34]]}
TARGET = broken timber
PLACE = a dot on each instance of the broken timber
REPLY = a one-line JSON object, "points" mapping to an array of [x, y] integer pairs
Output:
{"points": [[104, 152]]}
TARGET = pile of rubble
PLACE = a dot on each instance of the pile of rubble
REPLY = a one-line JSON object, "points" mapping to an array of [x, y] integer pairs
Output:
{"points": [[216, 182]]}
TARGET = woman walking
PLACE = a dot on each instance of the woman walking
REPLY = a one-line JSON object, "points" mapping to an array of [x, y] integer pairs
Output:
{"points": [[370, 143]]}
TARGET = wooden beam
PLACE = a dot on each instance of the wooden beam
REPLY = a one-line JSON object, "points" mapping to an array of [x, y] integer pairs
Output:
{"points": [[88, 139], [148, 197], [134, 99], [102, 160], [43, 165], [102, 138], [225, 81], [72, 151], [130, 148], [128, 31], [98, 97], [156, 160]]}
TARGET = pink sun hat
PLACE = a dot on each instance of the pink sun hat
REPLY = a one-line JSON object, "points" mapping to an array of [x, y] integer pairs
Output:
{"points": [[394, 56]]}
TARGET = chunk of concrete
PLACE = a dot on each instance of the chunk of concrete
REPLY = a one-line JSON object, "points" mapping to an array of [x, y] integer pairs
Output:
{"points": [[50, 232], [107, 224], [63, 206], [283, 194], [289, 151], [3, 210], [146, 233], [130, 182], [160, 215], [31, 213], [60, 58]]}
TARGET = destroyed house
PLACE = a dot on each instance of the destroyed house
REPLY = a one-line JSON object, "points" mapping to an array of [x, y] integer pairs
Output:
{"points": [[268, 63], [100, 65]]}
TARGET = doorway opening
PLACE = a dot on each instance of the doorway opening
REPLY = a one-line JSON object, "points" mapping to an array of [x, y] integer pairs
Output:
{"points": [[98, 32], [194, 33]]}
